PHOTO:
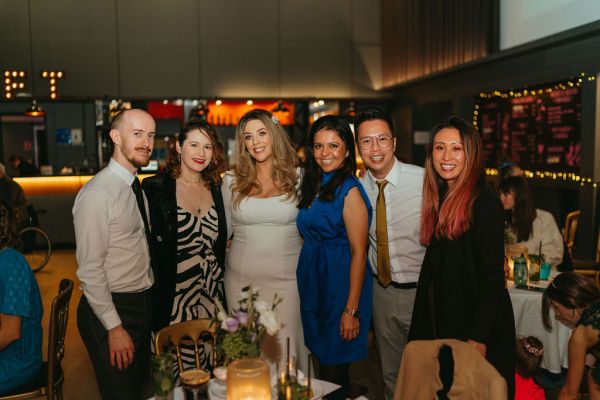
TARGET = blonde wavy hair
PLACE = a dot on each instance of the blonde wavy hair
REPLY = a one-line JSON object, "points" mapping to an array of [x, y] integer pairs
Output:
{"points": [[285, 159]]}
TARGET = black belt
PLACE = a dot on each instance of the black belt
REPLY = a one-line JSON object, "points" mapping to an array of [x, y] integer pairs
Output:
{"points": [[409, 285]]}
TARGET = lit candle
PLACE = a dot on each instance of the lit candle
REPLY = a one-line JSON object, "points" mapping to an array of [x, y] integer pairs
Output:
{"points": [[288, 357], [248, 379]]}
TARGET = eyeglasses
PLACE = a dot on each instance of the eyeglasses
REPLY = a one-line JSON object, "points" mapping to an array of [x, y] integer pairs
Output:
{"points": [[383, 141]]}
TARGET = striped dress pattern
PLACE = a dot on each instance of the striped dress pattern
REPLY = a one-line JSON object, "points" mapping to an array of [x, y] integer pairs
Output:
{"points": [[200, 278]]}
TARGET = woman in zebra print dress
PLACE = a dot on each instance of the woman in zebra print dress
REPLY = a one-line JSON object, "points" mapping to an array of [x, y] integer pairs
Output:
{"points": [[189, 231]]}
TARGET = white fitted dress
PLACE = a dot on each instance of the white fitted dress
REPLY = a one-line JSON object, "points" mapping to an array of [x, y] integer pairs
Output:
{"points": [[264, 253]]}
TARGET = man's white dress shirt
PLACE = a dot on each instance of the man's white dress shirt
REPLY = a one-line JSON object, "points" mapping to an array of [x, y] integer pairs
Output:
{"points": [[403, 196], [112, 250]]}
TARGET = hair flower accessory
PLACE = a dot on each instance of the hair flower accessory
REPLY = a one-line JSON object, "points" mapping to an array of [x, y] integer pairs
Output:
{"points": [[533, 350], [274, 120]]}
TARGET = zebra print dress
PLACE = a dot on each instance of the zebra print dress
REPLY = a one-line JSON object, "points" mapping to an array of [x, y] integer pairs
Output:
{"points": [[200, 279]]}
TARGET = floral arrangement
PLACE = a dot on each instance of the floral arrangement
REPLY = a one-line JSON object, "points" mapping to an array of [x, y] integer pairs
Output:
{"points": [[240, 334]]}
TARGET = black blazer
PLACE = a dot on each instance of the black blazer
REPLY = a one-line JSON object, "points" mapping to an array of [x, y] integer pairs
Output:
{"points": [[461, 293], [162, 203]]}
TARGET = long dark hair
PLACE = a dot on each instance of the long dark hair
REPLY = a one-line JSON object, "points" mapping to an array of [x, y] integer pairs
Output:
{"points": [[313, 175], [9, 231], [570, 290], [212, 173], [452, 218], [523, 214]]}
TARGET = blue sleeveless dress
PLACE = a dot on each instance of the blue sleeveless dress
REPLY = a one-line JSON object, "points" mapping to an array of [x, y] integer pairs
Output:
{"points": [[323, 275]]}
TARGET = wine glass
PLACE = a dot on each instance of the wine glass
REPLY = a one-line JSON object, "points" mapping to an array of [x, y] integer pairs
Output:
{"points": [[193, 379]]}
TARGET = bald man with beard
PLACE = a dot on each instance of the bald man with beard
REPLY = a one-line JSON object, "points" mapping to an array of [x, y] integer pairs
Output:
{"points": [[111, 228]]}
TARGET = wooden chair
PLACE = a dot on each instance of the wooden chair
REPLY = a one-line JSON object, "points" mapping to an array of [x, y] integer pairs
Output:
{"points": [[50, 379], [570, 229], [196, 332], [589, 267]]}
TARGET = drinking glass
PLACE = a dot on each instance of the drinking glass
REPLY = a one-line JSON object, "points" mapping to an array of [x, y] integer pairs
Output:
{"points": [[545, 271], [534, 268], [193, 380]]}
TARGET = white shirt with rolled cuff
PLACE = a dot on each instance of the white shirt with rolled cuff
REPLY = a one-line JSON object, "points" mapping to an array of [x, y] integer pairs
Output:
{"points": [[403, 196], [112, 250]]}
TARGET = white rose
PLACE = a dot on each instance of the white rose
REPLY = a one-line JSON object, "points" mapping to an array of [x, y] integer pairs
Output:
{"points": [[270, 321], [261, 306], [244, 295], [221, 315]]}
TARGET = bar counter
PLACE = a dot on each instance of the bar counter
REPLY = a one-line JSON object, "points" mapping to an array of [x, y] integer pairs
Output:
{"points": [[53, 197]]}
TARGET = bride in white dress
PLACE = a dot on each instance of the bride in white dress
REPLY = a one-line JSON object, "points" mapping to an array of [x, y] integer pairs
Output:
{"points": [[260, 196]]}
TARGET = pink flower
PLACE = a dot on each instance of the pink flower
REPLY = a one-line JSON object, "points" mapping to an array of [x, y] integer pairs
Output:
{"points": [[241, 317], [230, 325]]}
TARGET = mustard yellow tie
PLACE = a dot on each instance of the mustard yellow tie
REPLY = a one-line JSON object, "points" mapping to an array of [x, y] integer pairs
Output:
{"points": [[384, 274]]}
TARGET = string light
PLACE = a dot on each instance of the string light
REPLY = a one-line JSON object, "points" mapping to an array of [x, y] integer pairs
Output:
{"points": [[582, 77], [551, 175]]}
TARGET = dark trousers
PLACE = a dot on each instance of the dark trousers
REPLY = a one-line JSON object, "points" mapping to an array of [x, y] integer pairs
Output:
{"points": [[136, 316]]}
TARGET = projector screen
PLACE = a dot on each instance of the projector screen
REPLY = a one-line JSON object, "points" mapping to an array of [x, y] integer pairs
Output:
{"points": [[523, 21]]}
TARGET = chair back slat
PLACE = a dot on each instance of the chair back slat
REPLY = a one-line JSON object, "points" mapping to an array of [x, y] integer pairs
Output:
{"points": [[598, 250], [570, 229], [187, 332], [59, 317]]}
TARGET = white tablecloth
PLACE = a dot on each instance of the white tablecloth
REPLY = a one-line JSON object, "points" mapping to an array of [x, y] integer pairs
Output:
{"points": [[527, 308], [324, 388]]}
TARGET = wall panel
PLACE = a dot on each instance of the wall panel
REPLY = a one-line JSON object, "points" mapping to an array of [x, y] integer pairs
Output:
{"points": [[316, 70], [14, 34], [158, 48], [239, 48], [78, 37], [153, 49], [425, 37]]}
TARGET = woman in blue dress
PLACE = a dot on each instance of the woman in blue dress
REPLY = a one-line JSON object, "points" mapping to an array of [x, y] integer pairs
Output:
{"points": [[335, 289], [20, 311]]}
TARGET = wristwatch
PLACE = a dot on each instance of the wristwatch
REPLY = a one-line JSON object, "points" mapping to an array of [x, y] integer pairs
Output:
{"points": [[353, 312]]}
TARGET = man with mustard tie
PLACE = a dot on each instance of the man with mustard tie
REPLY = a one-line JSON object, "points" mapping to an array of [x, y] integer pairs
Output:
{"points": [[395, 252], [111, 230]]}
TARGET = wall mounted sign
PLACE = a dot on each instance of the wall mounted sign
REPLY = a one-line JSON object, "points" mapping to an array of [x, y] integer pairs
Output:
{"points": [[538, 131], [15, 80]]}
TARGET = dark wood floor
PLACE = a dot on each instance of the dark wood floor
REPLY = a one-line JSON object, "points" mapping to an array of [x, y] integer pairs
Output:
{"points": [[79, 375]]}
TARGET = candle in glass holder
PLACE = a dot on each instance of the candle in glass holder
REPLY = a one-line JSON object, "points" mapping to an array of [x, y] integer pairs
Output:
{"points": [[248, 379]]}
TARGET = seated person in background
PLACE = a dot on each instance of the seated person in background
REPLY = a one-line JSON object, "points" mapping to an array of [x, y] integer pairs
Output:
{"points": [[20, 311], [12, 194], [507, 168], [529, 359], [575, 300], [530, 225], [22, 166]]}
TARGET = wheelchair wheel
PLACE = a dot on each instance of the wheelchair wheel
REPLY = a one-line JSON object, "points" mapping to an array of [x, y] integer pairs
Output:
{"points": [[35, 247]]}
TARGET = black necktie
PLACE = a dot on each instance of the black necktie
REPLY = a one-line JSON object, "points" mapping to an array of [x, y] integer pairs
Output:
{"points": [[139, 196]]}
